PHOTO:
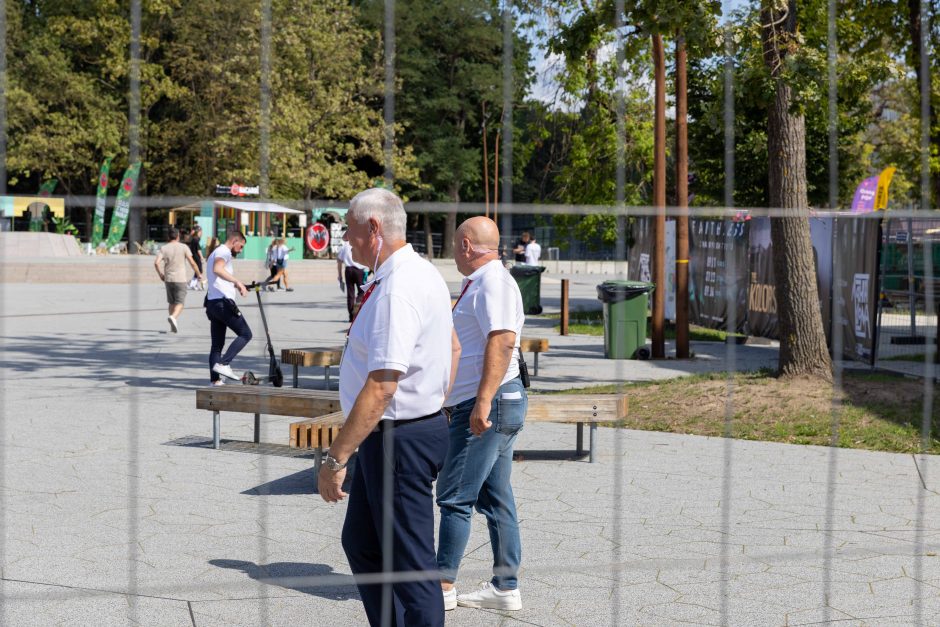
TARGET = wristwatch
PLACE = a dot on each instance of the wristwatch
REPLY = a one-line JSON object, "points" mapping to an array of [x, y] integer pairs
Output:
{"points": [[332, 463]]}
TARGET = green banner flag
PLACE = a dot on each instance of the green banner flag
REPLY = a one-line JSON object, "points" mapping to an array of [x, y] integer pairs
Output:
{"points": [[101, 202], [122, 206], [45, 190]]}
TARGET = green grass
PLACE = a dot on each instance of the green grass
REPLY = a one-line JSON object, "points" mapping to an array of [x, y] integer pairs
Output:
{"points": [[910, 357], [876, 411], [591, 322]]}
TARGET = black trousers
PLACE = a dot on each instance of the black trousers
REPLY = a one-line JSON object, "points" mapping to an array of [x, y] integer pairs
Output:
{"points": [[224, 314], [413, 454], [354, 278]]}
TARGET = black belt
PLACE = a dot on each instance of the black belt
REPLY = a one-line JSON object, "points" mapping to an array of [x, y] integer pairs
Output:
{"points": [[387, 424]]}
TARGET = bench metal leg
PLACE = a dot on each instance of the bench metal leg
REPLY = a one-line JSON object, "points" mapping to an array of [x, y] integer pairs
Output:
{"points": [[326, 376], [535, 363], [593, 441], [295, 375], [258, 430], [580, 439], [216, 439], [317, 460]]}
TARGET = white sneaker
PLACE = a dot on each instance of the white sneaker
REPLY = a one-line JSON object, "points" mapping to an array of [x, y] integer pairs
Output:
{"points": [[491, 598], [450, 599], [225, 370], [174, 327], [219, 382]]}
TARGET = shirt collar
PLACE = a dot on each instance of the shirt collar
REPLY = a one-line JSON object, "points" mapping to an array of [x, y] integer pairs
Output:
{"points": [[486, 267], [396, 259]]}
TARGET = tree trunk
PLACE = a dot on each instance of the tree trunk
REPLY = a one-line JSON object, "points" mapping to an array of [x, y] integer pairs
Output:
{"points": [[682, 201], [450, 224], [803, 349], [659, 200], [428, 238]]}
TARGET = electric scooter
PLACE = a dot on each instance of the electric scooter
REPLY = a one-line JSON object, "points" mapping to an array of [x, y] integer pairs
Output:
{"points": [[275, 375]]}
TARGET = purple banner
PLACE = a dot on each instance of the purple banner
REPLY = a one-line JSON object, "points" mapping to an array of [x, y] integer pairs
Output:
{"points": [[864, 200]]}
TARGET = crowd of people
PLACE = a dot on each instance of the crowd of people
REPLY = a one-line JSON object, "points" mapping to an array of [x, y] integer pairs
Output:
{"points": [[432, 391]]}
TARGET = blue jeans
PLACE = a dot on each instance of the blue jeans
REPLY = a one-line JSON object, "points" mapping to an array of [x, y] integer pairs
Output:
{"points": [[224, 314], [477, 474]]}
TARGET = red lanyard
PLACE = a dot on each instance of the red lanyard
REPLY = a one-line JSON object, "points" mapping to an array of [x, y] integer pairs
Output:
{"points": [[464, 291], [362, 304]]}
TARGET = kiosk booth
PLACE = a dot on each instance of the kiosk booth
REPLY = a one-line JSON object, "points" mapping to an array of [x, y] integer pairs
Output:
{"points": [[259, 221]]}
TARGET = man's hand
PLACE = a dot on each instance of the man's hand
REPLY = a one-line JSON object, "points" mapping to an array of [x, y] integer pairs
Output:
{"points": [[330, 484], [162, 276], [342, 286], [241, 288], [480, 418]]}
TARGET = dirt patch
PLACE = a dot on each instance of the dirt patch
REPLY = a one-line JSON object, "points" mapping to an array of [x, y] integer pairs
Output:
{"points": [[869, 411]]}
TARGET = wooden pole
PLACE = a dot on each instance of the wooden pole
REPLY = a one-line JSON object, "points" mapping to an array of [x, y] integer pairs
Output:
{"points": [[496, 179], [564, 306], [659, 200], [486, 168], [682, 201]]}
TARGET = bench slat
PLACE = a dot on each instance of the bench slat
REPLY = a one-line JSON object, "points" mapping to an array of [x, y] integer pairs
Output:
{"points": [[308, 357], [533, 345], [271, 401], [576, 407]]}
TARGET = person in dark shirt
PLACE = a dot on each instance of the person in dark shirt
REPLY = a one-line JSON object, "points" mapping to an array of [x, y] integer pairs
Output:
{"points": [[519, 248], [194, 238]]}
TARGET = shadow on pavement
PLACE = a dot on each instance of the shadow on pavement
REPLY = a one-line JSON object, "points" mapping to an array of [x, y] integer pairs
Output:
{"points": [[313, 579]]}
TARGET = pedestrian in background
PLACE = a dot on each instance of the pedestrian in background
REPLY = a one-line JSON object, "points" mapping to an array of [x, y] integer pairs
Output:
{"points": [[351, 279], [171, 267]]}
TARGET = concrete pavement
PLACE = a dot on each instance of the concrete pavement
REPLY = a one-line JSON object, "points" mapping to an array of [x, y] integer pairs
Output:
{"points": [[115, 510]]}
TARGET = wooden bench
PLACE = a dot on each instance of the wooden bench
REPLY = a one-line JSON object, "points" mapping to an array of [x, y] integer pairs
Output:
{"points": [[534, 345], [257, 400], [321, 414], [578, 409], [308, 357], [566, 408]]}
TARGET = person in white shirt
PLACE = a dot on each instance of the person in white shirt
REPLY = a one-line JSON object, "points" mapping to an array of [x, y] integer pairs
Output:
{"points": [[350, 280], [395, 373], [280, 255], [221, 309], [487, 407], [532, 252]]}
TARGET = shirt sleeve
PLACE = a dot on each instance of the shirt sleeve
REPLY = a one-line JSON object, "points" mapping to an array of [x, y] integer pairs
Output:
{"points": [[495, 308], [395, 331]]}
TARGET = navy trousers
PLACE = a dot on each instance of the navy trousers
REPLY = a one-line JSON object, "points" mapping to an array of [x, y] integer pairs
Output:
{"points": [[413, 453], [224, 314]]}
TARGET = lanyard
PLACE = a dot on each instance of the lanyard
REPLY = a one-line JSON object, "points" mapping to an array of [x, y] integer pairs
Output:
{"points": [[362, 304], [462, 292]]}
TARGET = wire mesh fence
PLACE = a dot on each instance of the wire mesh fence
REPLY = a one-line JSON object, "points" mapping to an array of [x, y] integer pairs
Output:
{"points": [[662, 530]]}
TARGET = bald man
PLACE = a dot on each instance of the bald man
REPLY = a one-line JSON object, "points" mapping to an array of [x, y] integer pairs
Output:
{"points": [[487, 409]]}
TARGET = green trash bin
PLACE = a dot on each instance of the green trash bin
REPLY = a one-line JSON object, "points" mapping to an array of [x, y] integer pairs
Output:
{"points": [[625, 307], [529, 279]]}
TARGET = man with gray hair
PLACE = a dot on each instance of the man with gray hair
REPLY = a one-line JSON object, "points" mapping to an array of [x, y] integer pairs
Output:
{"points": [[398, 365]]}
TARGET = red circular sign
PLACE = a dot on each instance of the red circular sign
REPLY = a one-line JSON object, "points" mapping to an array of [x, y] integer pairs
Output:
{"points": [[318, 237]]}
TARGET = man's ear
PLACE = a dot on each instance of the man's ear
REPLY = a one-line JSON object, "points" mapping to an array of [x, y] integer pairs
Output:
{"points": [[373, 226]]}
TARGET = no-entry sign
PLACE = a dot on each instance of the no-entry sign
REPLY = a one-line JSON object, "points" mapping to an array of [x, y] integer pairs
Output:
{"points": [[318, 237]]}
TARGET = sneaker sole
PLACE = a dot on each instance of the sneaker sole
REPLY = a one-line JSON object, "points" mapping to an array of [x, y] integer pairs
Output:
{"points": [[506, 607]]}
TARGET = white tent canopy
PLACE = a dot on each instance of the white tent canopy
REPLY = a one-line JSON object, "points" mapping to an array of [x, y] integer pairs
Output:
{"points": [[260, 207], [239, 205]]}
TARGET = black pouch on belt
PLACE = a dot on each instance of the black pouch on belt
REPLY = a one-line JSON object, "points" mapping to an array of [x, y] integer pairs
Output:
{"points": [[523, 370]]}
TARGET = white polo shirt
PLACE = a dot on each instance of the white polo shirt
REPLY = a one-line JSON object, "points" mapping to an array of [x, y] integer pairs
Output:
{"points": [[219, 287], [345, 256], [403, 325], [492, 302], [532, 253]]}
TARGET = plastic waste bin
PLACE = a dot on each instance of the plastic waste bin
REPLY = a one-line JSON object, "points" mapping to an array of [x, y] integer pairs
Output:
{"points": [[529, 279], [625, 307]]}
